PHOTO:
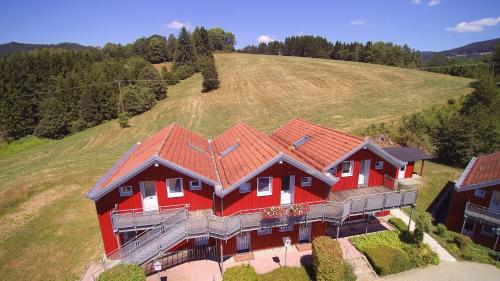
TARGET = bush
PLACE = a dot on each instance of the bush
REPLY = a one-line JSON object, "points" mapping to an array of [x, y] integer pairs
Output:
{"points": [[210, 76], [184, 71], [286, 274], [137, 99], [169, 77], [327, 260], [421, 255], [123, 119], [441, 229], [463, 242], [123, 272], [423, 225], [387, 260], [240, 273], [399, 224]]}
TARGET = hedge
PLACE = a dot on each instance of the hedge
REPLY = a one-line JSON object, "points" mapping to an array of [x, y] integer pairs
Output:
{"points": [[327, 260], [286, 274], [399, 224], [240, 273], [387, 260], [123, 272]]}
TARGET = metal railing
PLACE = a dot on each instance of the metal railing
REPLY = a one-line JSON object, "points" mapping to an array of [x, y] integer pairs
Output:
{"points": [[480, 213], [138, 219]]}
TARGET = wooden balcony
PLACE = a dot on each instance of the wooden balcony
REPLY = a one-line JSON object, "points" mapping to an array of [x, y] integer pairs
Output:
{"points": [[482, 214]]}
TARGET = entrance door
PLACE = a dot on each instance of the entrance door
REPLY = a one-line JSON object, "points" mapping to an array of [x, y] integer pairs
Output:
{"points": [[287, 184], [149, 197], [401, 173], [495, 201], [305, 233], [243, 242], [364, 172]]}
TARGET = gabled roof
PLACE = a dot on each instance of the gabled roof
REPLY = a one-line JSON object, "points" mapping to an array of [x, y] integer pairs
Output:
{"points": [[482, 171], [407, 153]]}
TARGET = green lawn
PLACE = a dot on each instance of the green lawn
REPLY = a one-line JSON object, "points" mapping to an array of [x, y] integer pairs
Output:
{"points": [[49, 229]]}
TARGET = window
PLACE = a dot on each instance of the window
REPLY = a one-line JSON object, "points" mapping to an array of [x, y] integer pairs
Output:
{"points": [[347, 168], [333, 170], [195, 185], [286, 228], [488, 230], [174, 188], [480, 193], [201, 241], [125, 191], [379, 165], [244, 187], [264, 231], [264, 186], [306, 181]]}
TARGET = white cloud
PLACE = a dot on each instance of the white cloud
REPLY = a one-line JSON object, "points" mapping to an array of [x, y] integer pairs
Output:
{"points": [[175, 24], [416, 2], [474, 26], [357, 22], [433, 2], [265, 39]]}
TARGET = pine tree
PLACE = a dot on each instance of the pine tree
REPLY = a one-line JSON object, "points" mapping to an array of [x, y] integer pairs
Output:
{"points": [[171, 47], [185, 53], [210, 75], [202, 42]]}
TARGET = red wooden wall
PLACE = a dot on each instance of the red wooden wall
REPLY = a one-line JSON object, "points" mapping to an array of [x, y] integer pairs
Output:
{"points": [[236, 201]]}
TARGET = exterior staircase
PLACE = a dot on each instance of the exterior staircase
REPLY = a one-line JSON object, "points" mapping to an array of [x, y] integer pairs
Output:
{"points": [[362, 269]]}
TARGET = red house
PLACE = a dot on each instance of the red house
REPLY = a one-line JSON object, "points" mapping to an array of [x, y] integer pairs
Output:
{"points": [[241, 191], [474, 208]]}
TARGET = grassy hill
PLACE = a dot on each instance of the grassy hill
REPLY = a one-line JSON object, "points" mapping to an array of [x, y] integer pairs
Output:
{"points": [[49, 230]]}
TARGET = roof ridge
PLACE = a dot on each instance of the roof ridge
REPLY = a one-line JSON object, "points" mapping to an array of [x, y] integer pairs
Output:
{"points": [[157, 153], [259, 137], [328, 128]]}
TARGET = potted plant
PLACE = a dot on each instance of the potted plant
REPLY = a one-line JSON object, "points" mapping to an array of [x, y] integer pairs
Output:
{"points": [[297, 210], [271, 213]]}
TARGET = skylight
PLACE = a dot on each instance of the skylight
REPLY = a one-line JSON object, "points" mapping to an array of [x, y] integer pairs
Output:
{"points": [[301, 141], [194, 147], [229, 149]]}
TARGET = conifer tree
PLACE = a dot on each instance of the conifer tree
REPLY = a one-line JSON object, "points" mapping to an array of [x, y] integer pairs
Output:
{"points": [[185, 54]]}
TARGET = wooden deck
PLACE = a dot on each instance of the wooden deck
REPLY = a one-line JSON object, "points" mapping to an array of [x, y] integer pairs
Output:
{"points": [[342, 195]]}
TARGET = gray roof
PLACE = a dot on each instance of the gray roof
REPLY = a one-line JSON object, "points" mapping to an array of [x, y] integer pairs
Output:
{"points": [[408, 153]]}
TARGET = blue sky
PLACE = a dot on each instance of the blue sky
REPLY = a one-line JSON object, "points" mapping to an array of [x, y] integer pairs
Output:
{"points": [[422, 24]]}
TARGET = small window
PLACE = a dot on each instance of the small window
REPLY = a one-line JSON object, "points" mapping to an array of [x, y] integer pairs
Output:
{"points": [[306, 181], [333, 170], [286, 228], [264, 231], [244, 187], [174, 188], [480, 193], [347, 168], [125, 191], [201, 241], [379, 165], [488, 230], [195, 185], [264, 186]]}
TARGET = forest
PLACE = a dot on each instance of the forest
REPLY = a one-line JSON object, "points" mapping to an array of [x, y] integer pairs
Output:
{"points": [[52, 92]]}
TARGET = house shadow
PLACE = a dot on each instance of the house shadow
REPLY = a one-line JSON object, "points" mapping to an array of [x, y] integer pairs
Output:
{"points": [[439, 206], [306, 261]]}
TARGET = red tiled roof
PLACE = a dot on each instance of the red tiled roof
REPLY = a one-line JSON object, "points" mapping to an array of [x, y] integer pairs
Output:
{"points": [[324, 145], [486, 168], [175, 144]]}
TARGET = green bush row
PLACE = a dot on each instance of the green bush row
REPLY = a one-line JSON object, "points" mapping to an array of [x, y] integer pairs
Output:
{"points": [[123, 272], [327, 261], [242, 272], [399, 224], [387, 260]]}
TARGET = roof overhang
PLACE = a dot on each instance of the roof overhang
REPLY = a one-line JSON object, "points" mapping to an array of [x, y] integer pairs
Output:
{"points": [[373, 148], [327, 178], [97, 192]]}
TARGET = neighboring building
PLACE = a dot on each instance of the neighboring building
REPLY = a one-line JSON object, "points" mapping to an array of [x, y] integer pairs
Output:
{"points": [[242, 191], [474, 208]]}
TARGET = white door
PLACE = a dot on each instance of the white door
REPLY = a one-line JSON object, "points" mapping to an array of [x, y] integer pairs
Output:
{"points": [[401, 173], [305, 233], [149, 197], [243, 242], [495, 201], [364, 172], [287, 184]]}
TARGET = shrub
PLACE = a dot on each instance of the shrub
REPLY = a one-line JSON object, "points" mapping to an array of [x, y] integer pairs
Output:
{"points": [[286, 274], [170, 77], [421, 255], [387, 260], [123, 272], [240, 273], [423, 224], [441, 229], [184, 71], [399, 224], [463, 242], [210, 76], [327, 260], [123, 119], [137, 99]]}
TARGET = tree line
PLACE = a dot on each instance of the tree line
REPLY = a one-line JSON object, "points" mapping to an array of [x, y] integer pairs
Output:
{"points": [[385, 53], [52, 93]]}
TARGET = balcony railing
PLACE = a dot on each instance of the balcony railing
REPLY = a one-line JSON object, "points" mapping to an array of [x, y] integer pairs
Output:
{"points": [[137, 219], [482, 214]]}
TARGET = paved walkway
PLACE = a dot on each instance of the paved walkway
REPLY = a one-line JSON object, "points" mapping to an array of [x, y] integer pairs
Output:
{"points": [[442, 253], [449, 271]]}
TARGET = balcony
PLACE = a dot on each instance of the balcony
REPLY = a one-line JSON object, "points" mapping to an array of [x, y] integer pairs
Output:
{"points": [[137, 219], [482, 214]]}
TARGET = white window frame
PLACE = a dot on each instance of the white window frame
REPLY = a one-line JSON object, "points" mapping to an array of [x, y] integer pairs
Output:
{"points": [[264, 231], [245, 187], [124, 193], [268, 192], [333, 170], [174, 194], [307, 183], [351, 168], [195, 187], [480, 193], [379, 165]]}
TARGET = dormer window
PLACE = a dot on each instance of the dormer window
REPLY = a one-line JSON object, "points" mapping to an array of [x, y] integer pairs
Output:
{"points": [[125, 191]]}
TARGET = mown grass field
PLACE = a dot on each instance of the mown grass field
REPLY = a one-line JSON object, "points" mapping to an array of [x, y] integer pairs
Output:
{"points": [[49, 229]]}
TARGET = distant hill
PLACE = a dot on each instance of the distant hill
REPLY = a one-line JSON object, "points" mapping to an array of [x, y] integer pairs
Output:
{"points": [[471, 49], [14, 47]]}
